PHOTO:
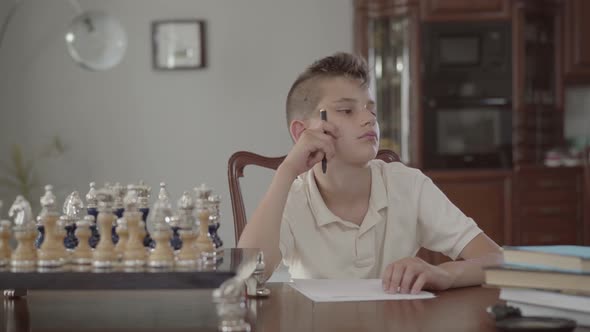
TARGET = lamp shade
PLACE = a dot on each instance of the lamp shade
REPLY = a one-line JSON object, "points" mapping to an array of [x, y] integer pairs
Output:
{"points": [[96, 40]]}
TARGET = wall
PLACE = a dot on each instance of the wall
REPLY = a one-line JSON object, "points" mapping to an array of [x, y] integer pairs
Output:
{"points": [[135, 123]]}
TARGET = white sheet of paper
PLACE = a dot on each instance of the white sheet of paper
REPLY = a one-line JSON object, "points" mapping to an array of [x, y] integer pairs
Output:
{"points": [[342, 290]]}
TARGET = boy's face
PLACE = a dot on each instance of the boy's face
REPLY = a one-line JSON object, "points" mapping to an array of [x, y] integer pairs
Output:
{"points": [[351, 108]]}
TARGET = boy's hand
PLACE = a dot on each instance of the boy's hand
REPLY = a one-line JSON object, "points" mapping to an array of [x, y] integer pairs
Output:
{"points": [[313, 144], [412, 274]]}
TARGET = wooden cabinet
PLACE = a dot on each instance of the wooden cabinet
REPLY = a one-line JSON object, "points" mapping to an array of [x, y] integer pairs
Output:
{"points": [[576, 35], [537, 84], [527, 203], [548, 206], [462, 10]]}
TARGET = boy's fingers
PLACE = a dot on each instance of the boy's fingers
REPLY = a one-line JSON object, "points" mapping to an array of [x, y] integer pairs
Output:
{"points": [[396, 278], [330, 129], [386, 278], [315, 158], [324, 143], [325, 127], [419, 283], [407, 280]]}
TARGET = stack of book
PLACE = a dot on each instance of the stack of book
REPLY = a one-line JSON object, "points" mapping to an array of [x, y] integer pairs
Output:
{"points": [[545, 281]]}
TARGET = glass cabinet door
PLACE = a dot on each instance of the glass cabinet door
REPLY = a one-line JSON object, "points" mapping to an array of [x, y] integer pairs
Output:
{"points": [[389, 57], [539, 116]]}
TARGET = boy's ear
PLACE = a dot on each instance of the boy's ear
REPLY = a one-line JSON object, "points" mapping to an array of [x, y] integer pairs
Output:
{"points": [[296, 129]]}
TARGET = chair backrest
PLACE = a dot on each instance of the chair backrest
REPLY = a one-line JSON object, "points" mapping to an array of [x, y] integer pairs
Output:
{"points": [[235, 170]]}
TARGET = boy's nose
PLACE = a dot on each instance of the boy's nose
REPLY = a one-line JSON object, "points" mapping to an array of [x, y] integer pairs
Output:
{"points": [[369, 119]]}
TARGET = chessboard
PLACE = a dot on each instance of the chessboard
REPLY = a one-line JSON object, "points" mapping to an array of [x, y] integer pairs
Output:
{"points": [[117, 241], [75, 277]]}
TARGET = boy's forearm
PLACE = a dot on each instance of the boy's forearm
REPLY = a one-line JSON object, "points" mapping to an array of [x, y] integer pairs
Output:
{"points": [[470, 272], [263, 229]]}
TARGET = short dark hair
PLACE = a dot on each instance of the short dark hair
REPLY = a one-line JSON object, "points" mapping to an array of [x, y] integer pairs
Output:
{"points": [[304, 95]]}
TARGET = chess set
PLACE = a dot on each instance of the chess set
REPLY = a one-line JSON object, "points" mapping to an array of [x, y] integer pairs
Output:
{"points": [[115, 240]]}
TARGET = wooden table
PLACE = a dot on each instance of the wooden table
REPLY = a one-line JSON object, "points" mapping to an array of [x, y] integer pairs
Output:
{"points": [[286, 310]]}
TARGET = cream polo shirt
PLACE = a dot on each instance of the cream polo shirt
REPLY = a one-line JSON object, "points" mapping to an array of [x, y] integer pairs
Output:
{"points": [[406, 211]]}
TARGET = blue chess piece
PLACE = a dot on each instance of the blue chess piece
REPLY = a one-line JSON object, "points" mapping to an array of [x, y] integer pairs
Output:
{"points": [[92, 210], [114, 235], [40, 236], [147, 240], [95, 236], [70, 241], [176, 241]]}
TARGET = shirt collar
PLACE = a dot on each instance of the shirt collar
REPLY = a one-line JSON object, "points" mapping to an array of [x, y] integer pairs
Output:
{"points": [[377, 200]]}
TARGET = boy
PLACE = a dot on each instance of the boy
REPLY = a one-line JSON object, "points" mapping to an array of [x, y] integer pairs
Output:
{"points": [[363, 218]]}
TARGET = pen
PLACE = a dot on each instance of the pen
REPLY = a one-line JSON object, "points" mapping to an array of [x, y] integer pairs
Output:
{"points": [[324, 117]]}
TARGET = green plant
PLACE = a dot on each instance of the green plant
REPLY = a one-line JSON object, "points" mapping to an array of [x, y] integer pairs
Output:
{"points": [[19, 174]]}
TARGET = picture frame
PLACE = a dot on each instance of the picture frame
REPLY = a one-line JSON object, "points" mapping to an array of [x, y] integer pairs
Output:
{"points": [[178, 44]]}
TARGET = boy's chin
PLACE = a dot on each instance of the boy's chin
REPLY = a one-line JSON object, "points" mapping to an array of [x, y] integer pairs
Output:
{"points": [[362, 158]]}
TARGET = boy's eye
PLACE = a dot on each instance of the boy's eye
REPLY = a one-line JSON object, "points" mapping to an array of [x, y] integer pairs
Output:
{"points": [[345, 111]]}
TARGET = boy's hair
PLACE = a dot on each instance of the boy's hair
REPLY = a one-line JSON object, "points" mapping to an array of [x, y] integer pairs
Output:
{"points": [[304, 94]]}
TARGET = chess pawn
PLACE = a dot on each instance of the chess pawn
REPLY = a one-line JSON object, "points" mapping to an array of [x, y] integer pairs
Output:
{"points": [[123, 234], [83, 252], [255, 284], [25, 254], [92, 210], [104, 255], [134, 254], [52, 252], [162, 255], [189, 254], [5, 250]]}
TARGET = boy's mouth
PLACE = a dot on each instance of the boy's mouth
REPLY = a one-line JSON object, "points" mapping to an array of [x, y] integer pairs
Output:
{"points": [[369, 134]]}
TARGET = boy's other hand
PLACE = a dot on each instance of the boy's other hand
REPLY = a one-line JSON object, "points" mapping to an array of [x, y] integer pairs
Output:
{"points": [[412, 274], [314, 143]]}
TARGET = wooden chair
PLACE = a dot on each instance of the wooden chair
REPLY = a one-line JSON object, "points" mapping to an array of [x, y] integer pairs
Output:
{"points": [[586, 212], [235, 170]]}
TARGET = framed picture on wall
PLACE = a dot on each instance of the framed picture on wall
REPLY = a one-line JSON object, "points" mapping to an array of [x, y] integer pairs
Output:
{"points": [[178, 44]]}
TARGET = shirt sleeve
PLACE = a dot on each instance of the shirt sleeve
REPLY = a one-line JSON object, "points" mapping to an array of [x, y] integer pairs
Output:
{"points": [[286, 241], [442, 227]]}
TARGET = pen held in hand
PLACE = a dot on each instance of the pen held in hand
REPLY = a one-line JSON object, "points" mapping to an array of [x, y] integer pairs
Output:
{"points": [[324, 117]]}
